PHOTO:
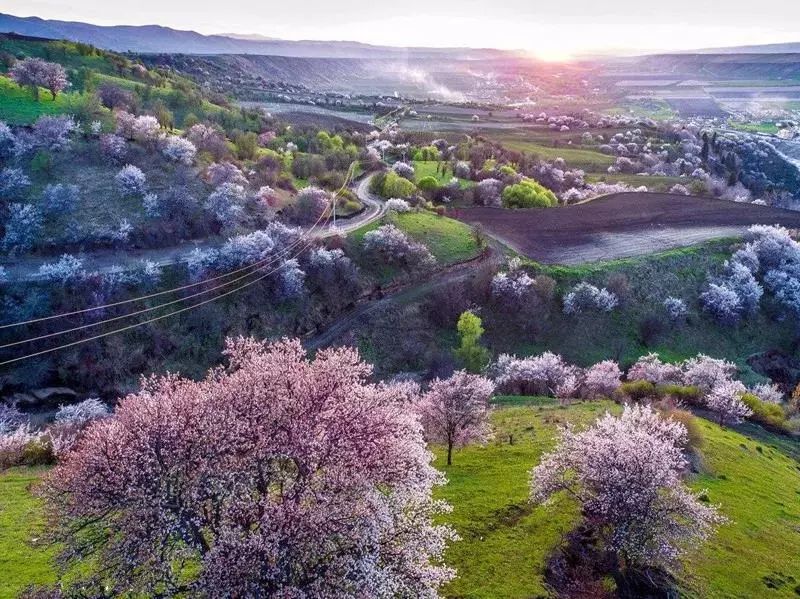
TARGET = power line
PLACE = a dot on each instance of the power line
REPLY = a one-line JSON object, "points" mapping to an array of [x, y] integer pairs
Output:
{"points": [[151, 320], [255, 265], [157, 318], [274, 258]]}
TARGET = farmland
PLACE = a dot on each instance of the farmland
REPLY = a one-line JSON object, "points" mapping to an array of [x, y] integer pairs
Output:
{"points": [[621, 225]]}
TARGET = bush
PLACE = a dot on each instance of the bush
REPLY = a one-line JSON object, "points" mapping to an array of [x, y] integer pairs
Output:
{"points": [[528, 194], [682, 393], [395, 186], [428, 183], [694, 434], [768, 414], [131, 180], [636, 390], [588, 297], [60, 198], [23, 228]]}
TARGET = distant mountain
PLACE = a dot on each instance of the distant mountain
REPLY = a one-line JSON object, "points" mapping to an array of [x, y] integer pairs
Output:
{"points": [[158, 39], [783, 48]]}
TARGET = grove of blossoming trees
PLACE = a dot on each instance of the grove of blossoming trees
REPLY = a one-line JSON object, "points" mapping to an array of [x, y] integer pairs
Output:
{"points": [[275, 476], [625, 472]]}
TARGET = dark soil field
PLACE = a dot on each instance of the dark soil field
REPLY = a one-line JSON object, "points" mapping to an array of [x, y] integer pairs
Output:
{"points": [[620, 225]]}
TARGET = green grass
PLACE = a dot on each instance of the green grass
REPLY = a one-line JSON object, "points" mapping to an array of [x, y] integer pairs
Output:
{"points": [[656, 109], [18, 107], [506, 541], [750, 127], [680, 273], [448, 240], [425, 168], [21, 564], [653, 183], [589, 160]]}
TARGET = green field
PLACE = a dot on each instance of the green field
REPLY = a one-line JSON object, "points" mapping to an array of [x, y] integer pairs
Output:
{"points": [[588, 160], [425, 168], [448, 240], [21, 562], [653, 183], [17, 106], [506, 541]]}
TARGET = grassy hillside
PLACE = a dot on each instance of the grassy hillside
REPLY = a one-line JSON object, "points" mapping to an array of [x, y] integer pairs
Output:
{"points": [[588, 160], [17, 106], [649, 280], [448, 240], [21, 563], [506, 541]]}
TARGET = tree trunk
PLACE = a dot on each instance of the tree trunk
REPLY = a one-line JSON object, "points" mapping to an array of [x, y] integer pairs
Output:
{"points": [[449, 454]]}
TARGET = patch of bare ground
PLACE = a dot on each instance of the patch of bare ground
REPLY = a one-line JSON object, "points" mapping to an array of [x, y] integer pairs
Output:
{"points": [[621, 225]]}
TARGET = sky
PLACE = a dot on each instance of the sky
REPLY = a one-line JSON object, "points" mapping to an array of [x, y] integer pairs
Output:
{"points": [[551, 30]]}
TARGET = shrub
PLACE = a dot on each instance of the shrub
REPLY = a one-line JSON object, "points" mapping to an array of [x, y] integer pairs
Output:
{"points": [[179, 150], [14, 183], [489, 192], [651, 368], [60, 198], [395, 186], [396, 248], [23, 227], [636, 390], [528, 194], [694, 434], [310, 204], [768, 414], [602, 379], [113, 147], [131, 180], [404, 169], [397, 205], [675, 308], [726, 400], [585, 296], [225, 172], [722, 303], [428, 183], [226, 203]]}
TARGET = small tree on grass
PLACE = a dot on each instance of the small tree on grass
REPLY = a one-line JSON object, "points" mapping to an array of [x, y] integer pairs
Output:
{"points": [[474, 356], [455, 411], [36, 73], [625, 473]]}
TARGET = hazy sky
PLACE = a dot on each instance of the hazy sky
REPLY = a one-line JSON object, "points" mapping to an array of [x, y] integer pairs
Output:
{"points": [[549, 29]]}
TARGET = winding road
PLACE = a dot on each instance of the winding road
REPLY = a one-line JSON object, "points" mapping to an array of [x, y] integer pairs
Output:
{"points": [[27, 268]]}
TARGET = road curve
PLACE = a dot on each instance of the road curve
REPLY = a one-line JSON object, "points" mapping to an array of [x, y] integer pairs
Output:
{"points": [[27, 268]]}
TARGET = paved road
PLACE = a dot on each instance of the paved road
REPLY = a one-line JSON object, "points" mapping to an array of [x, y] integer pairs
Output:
{"points": [[27, 268]]}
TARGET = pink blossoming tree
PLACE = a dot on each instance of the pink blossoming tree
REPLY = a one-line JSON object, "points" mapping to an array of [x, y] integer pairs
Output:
{"points": [[455, 411], [276, 476], [625, 472]]}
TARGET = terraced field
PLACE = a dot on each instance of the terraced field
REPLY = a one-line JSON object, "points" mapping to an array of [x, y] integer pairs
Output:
{"points": [[621, 225]]}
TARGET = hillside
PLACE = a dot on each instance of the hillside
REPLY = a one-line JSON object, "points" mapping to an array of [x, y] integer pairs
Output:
{"points": [[506, 542]]}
